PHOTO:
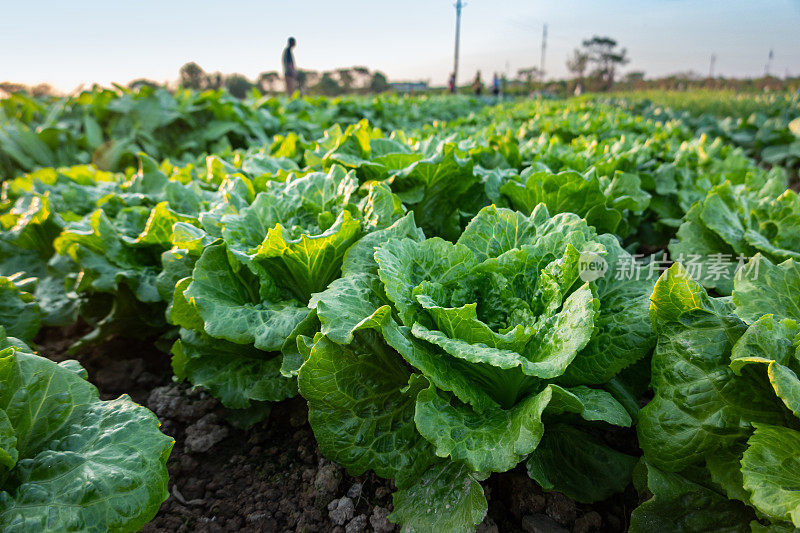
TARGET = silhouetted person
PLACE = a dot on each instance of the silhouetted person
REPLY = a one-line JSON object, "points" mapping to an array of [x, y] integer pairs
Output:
{"points": [[496, 85], [451, 84], [477, 85], [289, 71]]}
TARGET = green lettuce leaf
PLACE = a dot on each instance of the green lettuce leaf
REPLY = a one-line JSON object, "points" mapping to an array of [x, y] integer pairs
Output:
{"points": [[497, 439], [361, 406], [579, 465], [762, 287], [19, 312], [238, 375], [771, 472], [700, 406], [239, 307], [685, 502], [448, 497], [435, 188], [78, 463]]}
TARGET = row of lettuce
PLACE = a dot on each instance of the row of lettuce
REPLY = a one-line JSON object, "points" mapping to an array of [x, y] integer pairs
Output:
{"points": [[108, 127], [425, 294], [767, 126]]}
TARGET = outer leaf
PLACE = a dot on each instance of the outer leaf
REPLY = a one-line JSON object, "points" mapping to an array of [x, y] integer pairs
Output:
{"points": [[497, 439], [226, 295], [700, 405], [361, 256], [773, 344], [771, 471], [19, 313], [83, 463], [624, 334], [235, 374], [448, 497], [361, 406], [685, 503], [346, 303], [575, 463], [764, 288]]}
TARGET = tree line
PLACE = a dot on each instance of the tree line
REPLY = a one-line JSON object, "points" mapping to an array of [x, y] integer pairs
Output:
{"points": [[327, 83]]}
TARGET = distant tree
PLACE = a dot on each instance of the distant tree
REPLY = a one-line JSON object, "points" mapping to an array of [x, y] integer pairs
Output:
{"points": [[143, 82], [577, 63], [327, 85], [634, 76], [214, 81], [192, 76], [43, 89], [11, 87], [528, 75], [606, 58], [379, 83], [267, 81], [237, 85], [633, 80], [307, 78], [363, 77], [346, 79]]}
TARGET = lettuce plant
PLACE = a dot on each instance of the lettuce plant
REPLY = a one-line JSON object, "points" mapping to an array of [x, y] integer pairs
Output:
{"points": [[73, 462], [738, 221], [249, 287], [608, 204], [720, 437], [439, 363]]}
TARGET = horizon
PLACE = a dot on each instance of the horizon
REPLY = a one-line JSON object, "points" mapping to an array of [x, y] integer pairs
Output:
{"points": [[662, 37]]}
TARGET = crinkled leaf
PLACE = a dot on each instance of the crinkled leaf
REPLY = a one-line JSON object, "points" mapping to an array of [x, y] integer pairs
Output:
{"points": [[361, 406], [83, 463], [774, 344], [771, 472], [700, 405], [227, 298], [447, 497], [762, 287], [497, 439], [236, 374], [19, 313]]}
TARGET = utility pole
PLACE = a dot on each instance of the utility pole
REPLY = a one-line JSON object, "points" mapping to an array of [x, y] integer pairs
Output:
{"points": [[459, 4], [544, 47], [769, 63], [711, 67]]}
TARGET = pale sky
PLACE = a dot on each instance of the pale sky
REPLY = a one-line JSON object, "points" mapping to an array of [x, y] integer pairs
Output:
{"points": [[69, 43]]}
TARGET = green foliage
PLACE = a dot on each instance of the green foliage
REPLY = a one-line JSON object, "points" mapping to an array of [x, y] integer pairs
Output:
{"points": [[416, 268], [726, 388], [74, 462], [487, 325]]}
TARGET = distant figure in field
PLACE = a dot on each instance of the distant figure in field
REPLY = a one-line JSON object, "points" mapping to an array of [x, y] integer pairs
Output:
{"points": [[451, 83], [289, 72], [496, 85], [477, 85]]}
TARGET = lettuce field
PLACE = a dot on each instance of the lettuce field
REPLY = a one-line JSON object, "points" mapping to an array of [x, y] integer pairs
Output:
{"points": [[374, 314]]}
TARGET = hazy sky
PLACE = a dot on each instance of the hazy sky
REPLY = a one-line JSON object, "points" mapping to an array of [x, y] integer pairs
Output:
{"points": [[68, 43]]}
